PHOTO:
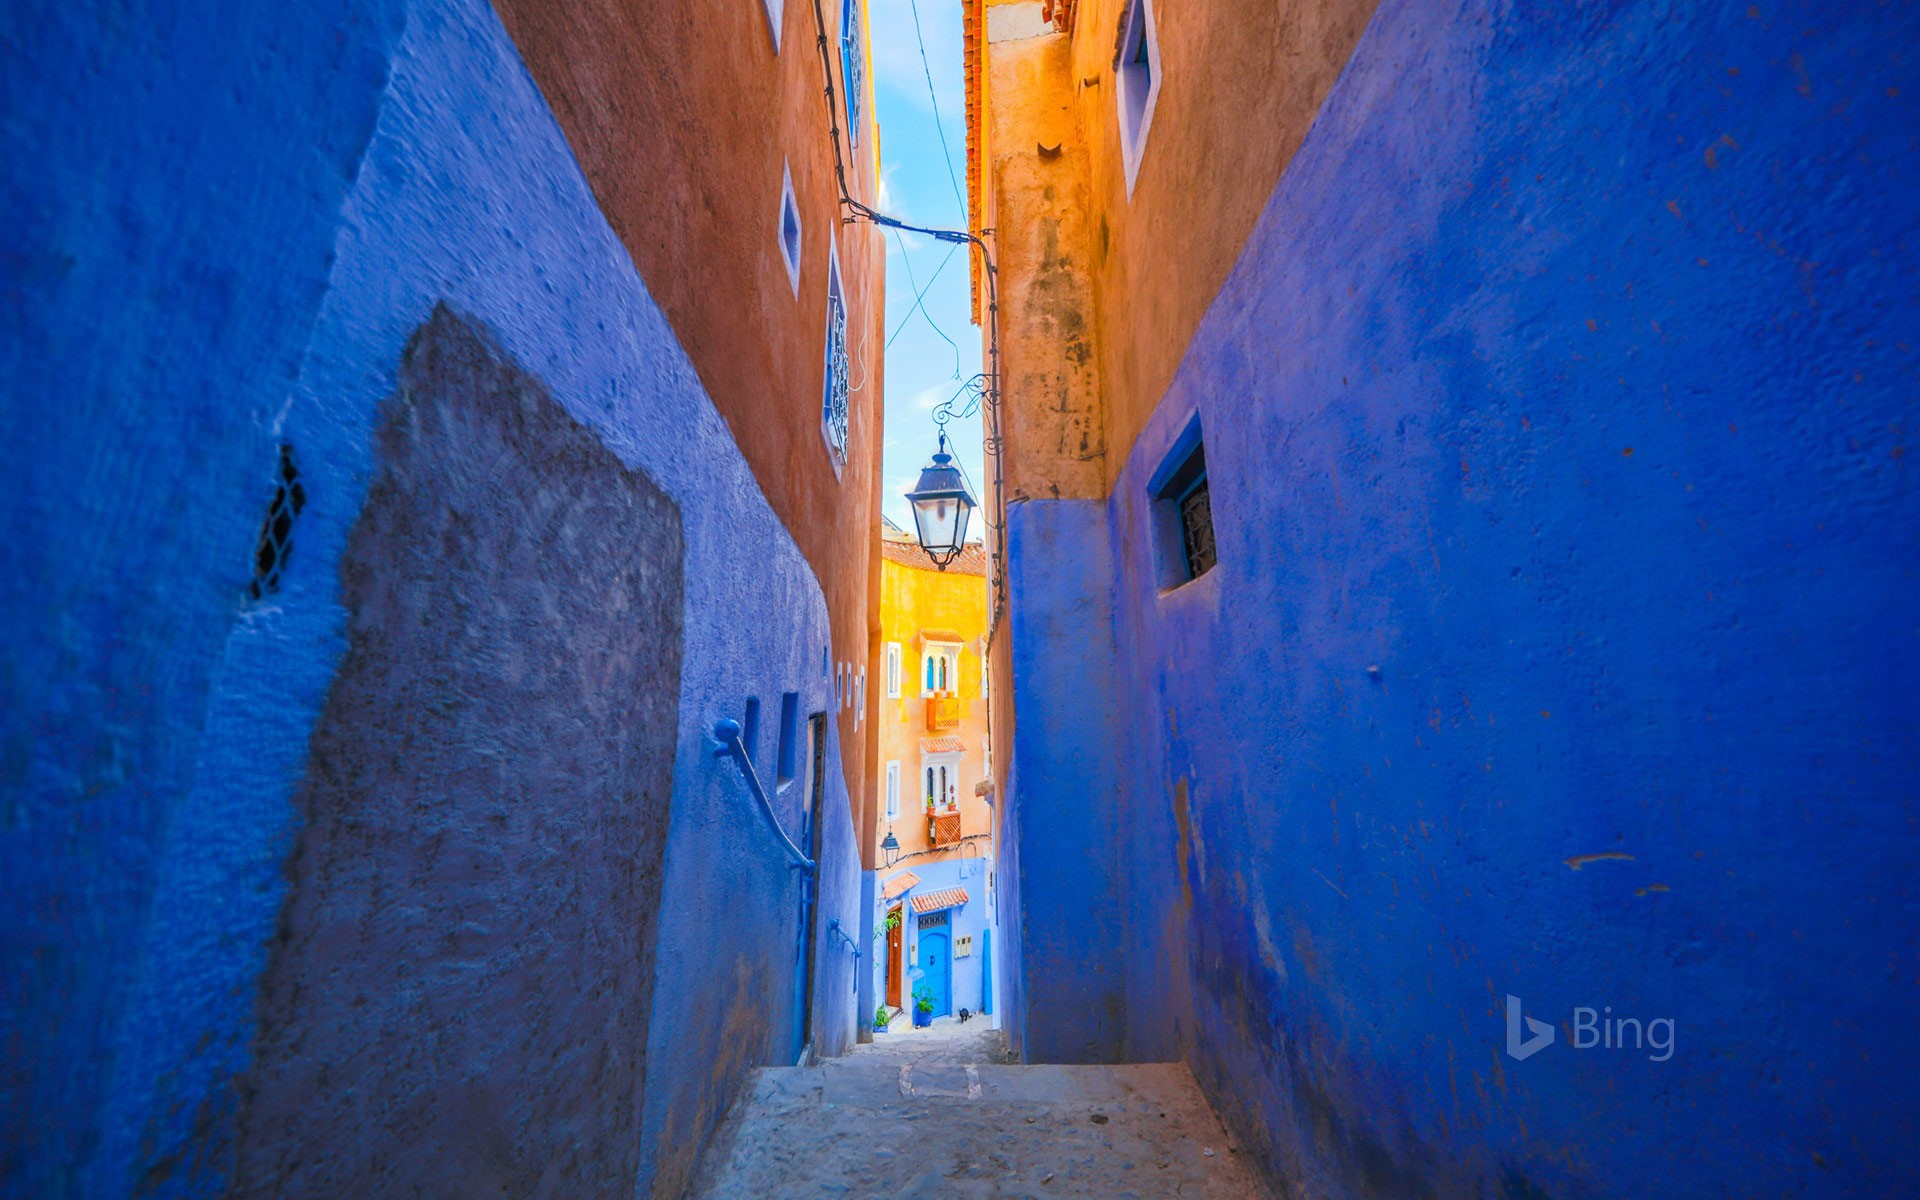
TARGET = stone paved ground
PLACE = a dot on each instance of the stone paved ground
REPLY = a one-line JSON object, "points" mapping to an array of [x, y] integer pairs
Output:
{"points": [[939, 1114]]}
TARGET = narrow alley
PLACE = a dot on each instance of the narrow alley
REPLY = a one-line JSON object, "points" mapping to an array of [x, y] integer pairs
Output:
{"points": [[972, 1125], [877, 599]]}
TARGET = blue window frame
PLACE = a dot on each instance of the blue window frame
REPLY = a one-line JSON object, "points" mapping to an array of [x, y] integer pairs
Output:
{"points": [[853, 65], [833, 399]]}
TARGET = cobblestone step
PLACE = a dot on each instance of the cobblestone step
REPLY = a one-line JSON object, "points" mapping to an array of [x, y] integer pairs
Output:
{"points": [[939, 1114]]}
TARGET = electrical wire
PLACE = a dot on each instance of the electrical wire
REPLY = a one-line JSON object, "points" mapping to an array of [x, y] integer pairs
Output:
{"points": [[938, 127], [919, 295], [990, 379]]}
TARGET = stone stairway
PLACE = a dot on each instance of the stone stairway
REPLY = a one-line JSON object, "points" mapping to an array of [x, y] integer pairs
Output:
{"points": [[938, 1114]]}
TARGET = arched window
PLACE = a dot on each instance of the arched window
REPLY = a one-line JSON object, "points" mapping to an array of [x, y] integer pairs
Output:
{"points": [[942, 668], [944, 796], [930, 792]]}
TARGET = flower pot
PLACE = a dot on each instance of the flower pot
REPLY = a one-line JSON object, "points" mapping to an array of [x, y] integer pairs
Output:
{"points": [[922, 1019], [879, 1026]]}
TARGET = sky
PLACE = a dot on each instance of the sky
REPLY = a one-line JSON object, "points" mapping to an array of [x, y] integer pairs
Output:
{"points": [[922, 368]]}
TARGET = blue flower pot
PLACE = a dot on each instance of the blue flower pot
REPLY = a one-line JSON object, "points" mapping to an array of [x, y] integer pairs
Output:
{"points": [[922, 1019]]}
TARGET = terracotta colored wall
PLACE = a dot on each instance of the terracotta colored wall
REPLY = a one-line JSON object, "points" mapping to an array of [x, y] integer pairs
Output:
{"points": [[681, 117], [1037, 178], [1078, 257], [1241, 83]]}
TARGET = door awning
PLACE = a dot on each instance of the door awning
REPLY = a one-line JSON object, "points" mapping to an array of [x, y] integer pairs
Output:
{"points": [[898, 884], [944, 898]]}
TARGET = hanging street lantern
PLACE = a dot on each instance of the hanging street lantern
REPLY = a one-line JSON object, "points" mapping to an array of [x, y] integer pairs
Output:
{"points": [[941, 505], [891, 848]]}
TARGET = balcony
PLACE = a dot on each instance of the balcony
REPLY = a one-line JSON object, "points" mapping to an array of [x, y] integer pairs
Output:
{"points": [[943, 829], [944, 711]]}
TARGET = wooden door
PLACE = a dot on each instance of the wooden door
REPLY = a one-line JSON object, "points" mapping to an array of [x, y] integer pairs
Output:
{"points": [[896, 938]]}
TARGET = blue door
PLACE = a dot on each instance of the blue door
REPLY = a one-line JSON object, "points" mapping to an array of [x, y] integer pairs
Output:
{"points": [[936, 969]]}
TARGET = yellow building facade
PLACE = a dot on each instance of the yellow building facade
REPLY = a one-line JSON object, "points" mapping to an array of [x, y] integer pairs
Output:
{"points": [[934, 761], [933, 700]]}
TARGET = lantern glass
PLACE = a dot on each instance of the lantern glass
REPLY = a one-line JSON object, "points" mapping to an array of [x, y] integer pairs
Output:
{"points": [[941, 522], [941, 505]]}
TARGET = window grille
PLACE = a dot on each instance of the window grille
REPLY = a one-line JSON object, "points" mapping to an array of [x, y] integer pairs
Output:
{"points": [[275, 547], [1185, 548], [852, 66], [1196, 529], [833, 404]]}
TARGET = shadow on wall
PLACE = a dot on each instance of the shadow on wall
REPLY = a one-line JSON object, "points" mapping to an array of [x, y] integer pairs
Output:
{"points": [[465, 956]]}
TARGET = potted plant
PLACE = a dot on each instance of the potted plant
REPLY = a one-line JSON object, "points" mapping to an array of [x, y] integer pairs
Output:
{"points": [[922, 1006], [880, 1019]]}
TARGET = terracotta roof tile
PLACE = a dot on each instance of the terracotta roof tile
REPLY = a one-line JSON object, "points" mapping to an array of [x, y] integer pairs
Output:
{"points": [[972, 559], [942, 745], [899, 883], [944, 898]]}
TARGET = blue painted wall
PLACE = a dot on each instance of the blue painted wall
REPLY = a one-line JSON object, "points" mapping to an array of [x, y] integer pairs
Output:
{"points": [[227, 238], [1063, 821], [1568, 380], [1010, 982]]}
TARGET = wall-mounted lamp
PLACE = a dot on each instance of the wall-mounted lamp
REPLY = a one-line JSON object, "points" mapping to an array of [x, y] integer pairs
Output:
{"points": [[941, 505], [891, 848]]}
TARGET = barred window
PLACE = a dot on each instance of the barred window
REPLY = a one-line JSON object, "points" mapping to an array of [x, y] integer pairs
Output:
{"points": [[853, 65], [1196, 529], [833, 400], [1183, 511], [275, 544]]}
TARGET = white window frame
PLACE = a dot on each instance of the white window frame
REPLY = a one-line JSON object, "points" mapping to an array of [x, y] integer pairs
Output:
{"points": [[1136, 86], [893, 789], [789, 254], [936, 650], [836, 311], [893, 670], [948, 762]]}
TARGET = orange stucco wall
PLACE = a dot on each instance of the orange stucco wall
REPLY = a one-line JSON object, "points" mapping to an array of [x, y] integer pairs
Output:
{"points": [[1100, 292], [682, 117]]}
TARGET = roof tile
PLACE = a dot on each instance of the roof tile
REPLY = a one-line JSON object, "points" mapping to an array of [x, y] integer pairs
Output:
{"points": [[944, 898]]}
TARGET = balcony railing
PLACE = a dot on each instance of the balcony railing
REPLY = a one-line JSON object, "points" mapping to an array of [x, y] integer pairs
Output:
{"points": [[943, 829], [944, 711]]}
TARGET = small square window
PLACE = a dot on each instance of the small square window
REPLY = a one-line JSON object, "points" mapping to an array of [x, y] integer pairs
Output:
{"points": [[790, 230], [1183, 511], [750, 727], [1136, 71], [789, 738]]}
